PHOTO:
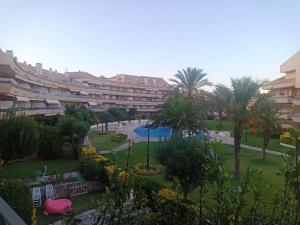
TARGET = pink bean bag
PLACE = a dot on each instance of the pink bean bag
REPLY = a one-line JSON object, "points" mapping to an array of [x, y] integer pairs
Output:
{"points": [[59, 206]]}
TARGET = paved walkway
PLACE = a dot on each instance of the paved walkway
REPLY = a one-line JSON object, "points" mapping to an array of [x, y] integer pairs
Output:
{"points": [[128, 129], [125, 129]]}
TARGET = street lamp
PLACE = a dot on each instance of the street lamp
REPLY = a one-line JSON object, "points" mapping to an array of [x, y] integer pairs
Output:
{"points": [[148, 145]]}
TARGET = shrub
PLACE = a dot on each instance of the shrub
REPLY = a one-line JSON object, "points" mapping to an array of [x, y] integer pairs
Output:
{"points": [[118, 137], [167, 194], [18, 137], [92, 170], [17, 195], [148, 187], [141, 169], [50, 146]]}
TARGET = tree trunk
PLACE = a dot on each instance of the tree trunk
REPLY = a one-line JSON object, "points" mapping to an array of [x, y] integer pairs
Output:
{"points": [[238, 128], [265, 142]]}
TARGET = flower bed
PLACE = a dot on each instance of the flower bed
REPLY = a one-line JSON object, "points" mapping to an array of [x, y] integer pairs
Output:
{"points": [[115, 137], [141, 169]]}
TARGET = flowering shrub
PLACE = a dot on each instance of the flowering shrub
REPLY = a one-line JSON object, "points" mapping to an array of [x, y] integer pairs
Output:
{"points": [[87, 152], [141, 169], [167, 194], [118, 137]]}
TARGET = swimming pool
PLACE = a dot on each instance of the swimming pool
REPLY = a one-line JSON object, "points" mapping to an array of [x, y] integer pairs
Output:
{"points": [[154, 132]]}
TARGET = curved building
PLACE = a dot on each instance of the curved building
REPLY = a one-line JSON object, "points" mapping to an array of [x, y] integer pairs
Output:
{"points": [[32, 90]]}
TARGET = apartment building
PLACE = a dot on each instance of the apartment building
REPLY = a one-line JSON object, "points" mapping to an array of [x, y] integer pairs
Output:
{"points": [[286, 91], [32, 90]]}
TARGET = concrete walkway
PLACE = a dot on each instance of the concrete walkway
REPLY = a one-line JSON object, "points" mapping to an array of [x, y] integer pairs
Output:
{"points": [[124, 129], [128, 129]]}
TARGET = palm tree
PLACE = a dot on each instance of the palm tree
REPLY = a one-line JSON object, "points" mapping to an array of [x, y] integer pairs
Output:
{"points": [[267, 115], [220, 99], [243, 94], [190, 80], [179, 114]]}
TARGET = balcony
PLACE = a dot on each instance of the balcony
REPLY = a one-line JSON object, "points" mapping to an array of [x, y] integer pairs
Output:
{"points": [[47, 111], [8, 216], [282, 99], [296, 117]]}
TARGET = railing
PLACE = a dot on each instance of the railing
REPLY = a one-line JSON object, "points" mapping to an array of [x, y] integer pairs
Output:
{"points": [[8, 216], [82, 96]]}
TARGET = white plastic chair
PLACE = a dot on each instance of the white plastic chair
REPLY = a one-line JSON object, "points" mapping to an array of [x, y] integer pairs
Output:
{"points": [[36, 197], [49, 191]]}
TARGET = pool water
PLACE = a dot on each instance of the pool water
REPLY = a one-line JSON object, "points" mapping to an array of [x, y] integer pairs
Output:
{"points": [[154, 132]]}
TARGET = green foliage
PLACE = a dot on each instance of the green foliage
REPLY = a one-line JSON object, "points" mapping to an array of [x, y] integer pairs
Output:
{"points": [[185, 159], [131, 113], [18, 137], [118, 137], [190, 80], [93, 170], [179, 114], [50, 142], [73, 129], [17, 195], [118, 114], [81, 113]]}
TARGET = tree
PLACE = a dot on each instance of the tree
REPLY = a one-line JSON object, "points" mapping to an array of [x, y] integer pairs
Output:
{"points": [[18, 137], [190, 80], [179, 114], [267, 117], [185, 160], [81, 113], [243, 95], [73, 130], [131, 113], [220, 99], [105, 118], [50, 142]]}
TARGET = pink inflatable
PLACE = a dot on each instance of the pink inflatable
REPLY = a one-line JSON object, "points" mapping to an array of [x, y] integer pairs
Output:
{"points": [[59, 206]]}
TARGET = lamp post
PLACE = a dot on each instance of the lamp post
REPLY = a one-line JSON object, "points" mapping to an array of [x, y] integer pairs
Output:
{"points": [[148, 145]]}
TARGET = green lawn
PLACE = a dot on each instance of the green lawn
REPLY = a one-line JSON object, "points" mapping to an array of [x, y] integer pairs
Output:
{"points": [[80, 204], [248, 159], [252, 139], [257, 140], [27, 169], [215, 125], [103, 141]]}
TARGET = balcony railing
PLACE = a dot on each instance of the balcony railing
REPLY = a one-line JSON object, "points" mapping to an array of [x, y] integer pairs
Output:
{"points": [[8, 216]]}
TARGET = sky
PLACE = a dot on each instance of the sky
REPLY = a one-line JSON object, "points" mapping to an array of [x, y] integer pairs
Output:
{"points": [[226, 38]]}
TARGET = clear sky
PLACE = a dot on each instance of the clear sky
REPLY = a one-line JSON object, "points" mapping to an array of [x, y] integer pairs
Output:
{"points": [[154, 37]]}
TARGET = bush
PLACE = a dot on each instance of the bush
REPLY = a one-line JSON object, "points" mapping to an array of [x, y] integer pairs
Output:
{"points": [[18, 137], [17, 195], [118, 137], [93, 170], [50, 146], [141, 169], [148, 187]]}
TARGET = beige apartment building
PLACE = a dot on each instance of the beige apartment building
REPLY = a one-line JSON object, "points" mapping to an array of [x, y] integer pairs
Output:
{"points": [[34, 91], [286, 91]]}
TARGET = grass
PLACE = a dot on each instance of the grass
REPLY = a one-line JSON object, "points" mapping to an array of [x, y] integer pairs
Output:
{"points": [[249, 158], [255, 139], [214, 125], [28, 169], [103, 141], [80, 204]]}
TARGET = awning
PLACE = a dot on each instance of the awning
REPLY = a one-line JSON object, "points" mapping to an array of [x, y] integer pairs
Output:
{"points": [[93, 103], [84, 93], [52, 102], [22, 99]]}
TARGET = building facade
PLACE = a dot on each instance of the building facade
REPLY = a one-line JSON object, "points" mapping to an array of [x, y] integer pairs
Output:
{"points": [[32, 90], [286, 91]]}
